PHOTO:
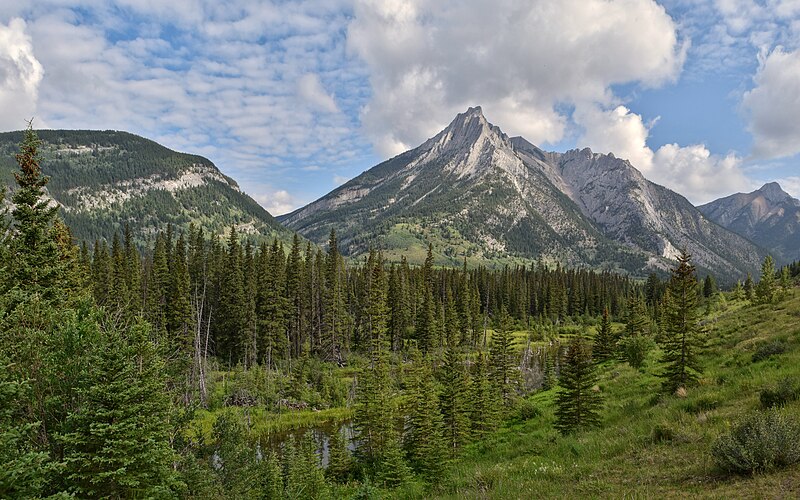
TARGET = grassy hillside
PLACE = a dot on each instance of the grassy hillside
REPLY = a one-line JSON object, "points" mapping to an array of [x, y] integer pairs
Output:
{"points": [[649, 446]]}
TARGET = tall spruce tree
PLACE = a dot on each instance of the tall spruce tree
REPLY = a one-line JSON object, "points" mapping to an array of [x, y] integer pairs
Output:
{"points": [[118, 444], [423, 439], [766, 288], [683, 335], [577, 404], [454, 401], [605, 340], [37, 267], [501, 357]]}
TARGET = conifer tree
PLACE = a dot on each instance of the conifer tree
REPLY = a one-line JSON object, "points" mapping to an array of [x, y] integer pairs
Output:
{"points": [[682, 337], [483, 399], [577, 404], [749, 288], [304, 477], [501, 357], [340, 463], [118, 443], [37, 268], [453, 401], [25, 469], [235, 467], [765, 290], [335, 314], [785, 282], [230, 341], [604, 341], [423, 439], [271, 477]]}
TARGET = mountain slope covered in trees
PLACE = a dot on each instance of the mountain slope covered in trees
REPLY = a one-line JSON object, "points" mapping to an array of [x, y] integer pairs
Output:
{"points": [[104, 180], [476, 193]]}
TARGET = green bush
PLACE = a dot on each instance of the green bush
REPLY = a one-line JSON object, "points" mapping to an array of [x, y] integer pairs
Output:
{"points": [[769, 349], [763, 441], [635, 348], [786, 391], [527, 410]]}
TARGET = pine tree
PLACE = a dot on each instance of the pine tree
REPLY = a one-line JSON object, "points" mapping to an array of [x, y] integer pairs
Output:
{"points": [[37, 265], [423, 439], [749, 288], [25, 469], [604, 341], [765, 290], [709, 286], [335, 314], [501, 357], [236, 468], [229, 338], [340, 463], [118, 443], [577, 403], [305, 478], [271, 477], [785, 282], [484, 401], [453, 401], [682, 337]]}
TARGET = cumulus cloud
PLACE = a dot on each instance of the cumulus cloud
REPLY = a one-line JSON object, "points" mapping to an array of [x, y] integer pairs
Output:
{"points": [[692, 171], [791, 185], [340, 179], [311, 91], [773, 105], [519, 59], [277, 202], [20, 75]]}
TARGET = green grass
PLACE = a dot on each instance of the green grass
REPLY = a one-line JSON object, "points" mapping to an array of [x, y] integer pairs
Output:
{"points": [[648, 446], [264, 424]]}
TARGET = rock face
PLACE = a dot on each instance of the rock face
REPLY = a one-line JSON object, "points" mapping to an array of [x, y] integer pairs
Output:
{"points": [[106, 179], [478, 194], [768, 216]]}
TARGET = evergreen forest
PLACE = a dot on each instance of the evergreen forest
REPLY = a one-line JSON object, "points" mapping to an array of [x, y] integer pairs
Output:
{"points": [[196, 365]]}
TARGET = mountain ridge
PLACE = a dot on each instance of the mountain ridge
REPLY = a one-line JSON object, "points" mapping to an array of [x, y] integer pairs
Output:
{"points": [[768, 216], [577, 207], [105, 179]]}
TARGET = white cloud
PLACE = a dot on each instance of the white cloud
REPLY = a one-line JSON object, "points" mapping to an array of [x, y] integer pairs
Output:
{"points": [[276, 202], [311, 90], [773, 105], [340, 179], [690, 170], [20, 76], [791, 185], [519, 59]]}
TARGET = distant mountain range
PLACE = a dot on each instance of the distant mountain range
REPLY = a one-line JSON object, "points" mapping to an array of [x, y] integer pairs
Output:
{"points": [[768, 216], [105, 179], [476, 193], [471, 190]]}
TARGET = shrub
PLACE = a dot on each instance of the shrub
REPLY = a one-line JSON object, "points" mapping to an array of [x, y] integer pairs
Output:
{"points": [[769, 349], [635, 349], [763, 441], [786, 391], [527, 410]]}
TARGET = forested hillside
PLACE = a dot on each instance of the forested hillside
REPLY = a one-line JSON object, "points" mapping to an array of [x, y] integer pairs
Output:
{"points": [[202, 367], [105, 180]]}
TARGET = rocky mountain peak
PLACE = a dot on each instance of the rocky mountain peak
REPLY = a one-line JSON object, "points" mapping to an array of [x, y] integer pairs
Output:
{"points": [[773, 192]]}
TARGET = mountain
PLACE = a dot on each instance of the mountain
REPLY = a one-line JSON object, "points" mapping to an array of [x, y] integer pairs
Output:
{"points": [[476, 193], [769, 216], [105, 179]]}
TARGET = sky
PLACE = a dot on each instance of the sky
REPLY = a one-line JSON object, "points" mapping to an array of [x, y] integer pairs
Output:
{"points": [[293, 98]]}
